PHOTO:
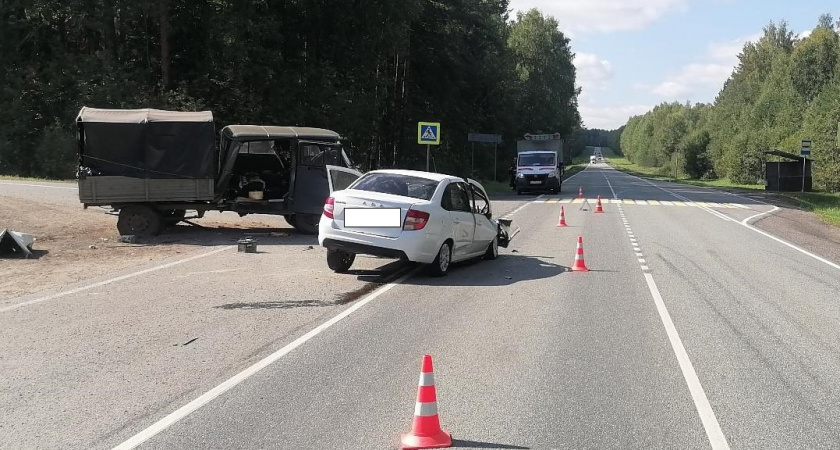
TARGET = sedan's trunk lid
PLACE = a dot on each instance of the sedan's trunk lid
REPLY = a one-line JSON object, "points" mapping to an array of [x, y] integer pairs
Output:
{"points": [[377, 221]]}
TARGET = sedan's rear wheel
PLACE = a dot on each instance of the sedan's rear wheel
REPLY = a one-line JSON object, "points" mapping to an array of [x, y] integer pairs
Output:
{"points": [[440, 266], [339, 261]]}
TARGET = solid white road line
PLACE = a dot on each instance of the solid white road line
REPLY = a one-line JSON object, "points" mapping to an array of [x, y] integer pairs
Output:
{"points": [[210, 395], [701, 402], [113, 280], [615, 197]]}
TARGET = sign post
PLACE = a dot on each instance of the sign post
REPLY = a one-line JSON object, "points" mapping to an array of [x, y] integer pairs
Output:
{"points": [[428, 133], [806, 150]]}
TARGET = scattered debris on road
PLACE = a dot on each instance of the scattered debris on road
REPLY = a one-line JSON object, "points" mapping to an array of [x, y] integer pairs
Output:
{"points": [[16, 243], [247, 245]]}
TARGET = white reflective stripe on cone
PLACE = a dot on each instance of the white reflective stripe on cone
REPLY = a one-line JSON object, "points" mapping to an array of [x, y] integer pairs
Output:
{"points": [[427, 378], [425, 409]]}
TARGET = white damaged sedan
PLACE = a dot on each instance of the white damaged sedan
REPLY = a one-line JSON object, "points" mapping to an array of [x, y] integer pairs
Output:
{"points": [[422, 217]]}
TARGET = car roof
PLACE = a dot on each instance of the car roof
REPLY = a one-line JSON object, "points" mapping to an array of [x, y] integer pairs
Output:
{"points": [[140, 116], [237, 132], [417, 173]]}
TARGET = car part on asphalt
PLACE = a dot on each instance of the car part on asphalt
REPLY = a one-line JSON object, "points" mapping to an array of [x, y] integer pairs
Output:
{"points": [[247, 245]]}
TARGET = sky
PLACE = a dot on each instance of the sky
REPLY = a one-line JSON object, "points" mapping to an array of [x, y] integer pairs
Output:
{"points": [[632, 55]]}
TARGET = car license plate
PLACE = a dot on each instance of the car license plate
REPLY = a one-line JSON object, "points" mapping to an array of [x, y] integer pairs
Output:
{"points": [[372, 217], [536, 182]]}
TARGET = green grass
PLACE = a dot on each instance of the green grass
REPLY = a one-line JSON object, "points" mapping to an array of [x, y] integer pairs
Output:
{"points": [[657, 173], [496, 187]]}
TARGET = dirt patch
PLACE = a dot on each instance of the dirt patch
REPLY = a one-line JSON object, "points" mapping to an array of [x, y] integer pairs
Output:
{"points": [[804, 229], [73, 244]]}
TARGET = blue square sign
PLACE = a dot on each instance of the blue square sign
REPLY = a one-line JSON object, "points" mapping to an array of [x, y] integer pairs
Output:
{"points": [[428, 133]]}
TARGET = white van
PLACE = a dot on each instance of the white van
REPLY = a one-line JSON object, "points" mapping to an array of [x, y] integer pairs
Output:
{"points": [[593, 159]]}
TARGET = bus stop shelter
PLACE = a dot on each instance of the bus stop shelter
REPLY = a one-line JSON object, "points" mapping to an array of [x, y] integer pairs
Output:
{"points": [[787, 176]]}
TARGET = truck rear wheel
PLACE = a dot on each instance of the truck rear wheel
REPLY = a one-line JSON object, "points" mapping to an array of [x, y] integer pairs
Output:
{"points": [[139, 220], [306, 223]]}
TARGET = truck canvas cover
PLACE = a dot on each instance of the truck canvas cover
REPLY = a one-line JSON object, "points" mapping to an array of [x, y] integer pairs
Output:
{"points": [[147, 143]]}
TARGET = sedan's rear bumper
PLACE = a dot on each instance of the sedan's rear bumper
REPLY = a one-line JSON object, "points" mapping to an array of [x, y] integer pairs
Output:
{"points": [[416, 246], [364, 249]]}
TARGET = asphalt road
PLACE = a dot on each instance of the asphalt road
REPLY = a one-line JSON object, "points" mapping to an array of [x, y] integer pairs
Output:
{"points": [[692, 330]]}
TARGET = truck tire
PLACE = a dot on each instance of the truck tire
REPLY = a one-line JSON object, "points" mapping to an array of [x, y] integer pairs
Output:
{"points": [[306, 223], [139, 220], [339, 261]]}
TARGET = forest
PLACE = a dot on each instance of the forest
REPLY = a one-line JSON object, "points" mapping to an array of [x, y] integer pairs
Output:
{"points": [[368, 69], [784, 90]]}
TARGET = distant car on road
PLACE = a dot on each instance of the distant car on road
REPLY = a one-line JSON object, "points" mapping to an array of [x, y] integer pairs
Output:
{"points": [[422, 217], [593, 159]]}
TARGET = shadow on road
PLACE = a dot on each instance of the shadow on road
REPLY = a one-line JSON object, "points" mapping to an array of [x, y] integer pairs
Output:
{"points": [[185, 234], [505, 271], [476, 444]]}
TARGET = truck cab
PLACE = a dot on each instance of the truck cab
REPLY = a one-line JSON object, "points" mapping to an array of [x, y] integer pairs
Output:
{"points": [[538, 171]]}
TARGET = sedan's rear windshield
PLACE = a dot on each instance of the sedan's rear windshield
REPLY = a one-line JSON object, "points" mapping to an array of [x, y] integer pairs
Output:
{"points": [[404, 185], [536, 160]]}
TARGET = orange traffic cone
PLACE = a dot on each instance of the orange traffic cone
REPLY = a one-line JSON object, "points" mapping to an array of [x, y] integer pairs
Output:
{"points": [[562, 222], [598, 208], [580, 191], [580, 264], [425, 430]]}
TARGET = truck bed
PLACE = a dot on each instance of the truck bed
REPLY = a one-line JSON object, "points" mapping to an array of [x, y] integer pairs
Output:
{"points": [[107, 190]]}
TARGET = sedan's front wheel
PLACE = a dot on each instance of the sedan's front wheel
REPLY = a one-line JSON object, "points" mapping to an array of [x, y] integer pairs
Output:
{"points": [[493, 249], [440, 266]]}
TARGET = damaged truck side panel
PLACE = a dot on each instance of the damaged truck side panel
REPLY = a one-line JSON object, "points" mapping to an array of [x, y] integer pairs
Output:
{"points": [[155, 165]]}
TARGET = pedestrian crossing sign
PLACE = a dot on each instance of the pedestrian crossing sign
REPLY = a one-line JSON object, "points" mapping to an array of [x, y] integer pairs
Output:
{"points": [[428, 133]]}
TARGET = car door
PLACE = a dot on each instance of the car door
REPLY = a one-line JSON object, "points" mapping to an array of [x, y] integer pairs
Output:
{"points": [[312, 182], [456, 201], [485, 228]]}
